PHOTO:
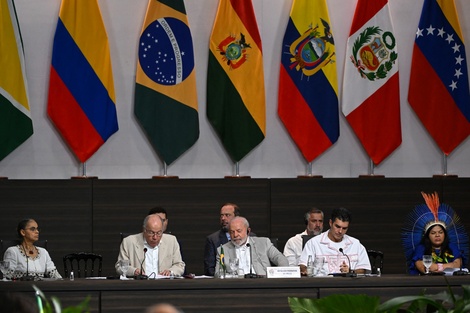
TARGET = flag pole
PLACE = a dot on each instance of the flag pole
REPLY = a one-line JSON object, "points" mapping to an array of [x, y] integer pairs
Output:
{"points": [[165, 172], [444, 168], [309, 173], [84, 175], [371, 170], [237, 172]]}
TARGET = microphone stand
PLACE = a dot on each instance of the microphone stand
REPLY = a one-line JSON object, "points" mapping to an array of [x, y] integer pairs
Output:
{"points": [[142, 276], [27, 277], [460, 272], [351, 273], [250, 275]]}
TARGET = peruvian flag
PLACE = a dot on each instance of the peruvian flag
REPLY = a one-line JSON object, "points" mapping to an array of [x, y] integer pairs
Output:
{"points": [[371, 96]]}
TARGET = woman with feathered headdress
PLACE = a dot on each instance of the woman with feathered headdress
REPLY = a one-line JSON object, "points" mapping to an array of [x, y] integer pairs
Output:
{"points": [[434, 229]]}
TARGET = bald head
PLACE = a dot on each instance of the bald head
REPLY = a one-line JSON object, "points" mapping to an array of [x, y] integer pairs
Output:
{"points": [[162, 308]]}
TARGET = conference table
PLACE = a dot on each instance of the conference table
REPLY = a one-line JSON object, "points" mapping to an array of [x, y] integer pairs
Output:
{"points": [[228, 295]]}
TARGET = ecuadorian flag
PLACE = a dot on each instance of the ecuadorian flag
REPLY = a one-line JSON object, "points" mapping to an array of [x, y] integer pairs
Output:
{"points": [[165, 89], [235, 79], [81, 89], [308, 84], [15, 117]]}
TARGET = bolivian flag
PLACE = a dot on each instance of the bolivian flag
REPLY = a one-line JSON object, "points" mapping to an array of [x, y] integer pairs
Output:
{"points": [[15, 116], [235, 80], [165, 90]]}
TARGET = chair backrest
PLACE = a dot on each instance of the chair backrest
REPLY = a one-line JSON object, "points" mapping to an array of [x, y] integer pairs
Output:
{"points": [[274, 241], [306, 238], [5, 244], [124, 235], [376, 259], [83, 264]]}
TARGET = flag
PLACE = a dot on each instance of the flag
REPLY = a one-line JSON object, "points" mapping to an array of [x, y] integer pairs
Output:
{"points": [[15, 117], [165, 89], [308, 84], [371, 96], [438, 90], [235, 79], [222, 258], [81, 100]]}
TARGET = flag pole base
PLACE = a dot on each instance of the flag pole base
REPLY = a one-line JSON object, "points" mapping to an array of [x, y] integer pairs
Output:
{"points": [[165, 177], [237, 176], [371, 176], [310, 176], [84, 177], [445, 176]]}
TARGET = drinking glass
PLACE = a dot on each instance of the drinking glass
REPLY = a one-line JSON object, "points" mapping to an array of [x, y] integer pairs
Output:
{"points": [[427, 261], [4, 266], [318, 266], [234, 264], [124, 265]]}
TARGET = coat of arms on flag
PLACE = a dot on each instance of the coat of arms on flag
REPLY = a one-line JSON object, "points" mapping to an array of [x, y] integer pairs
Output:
{"points": [[234, 50], [373, 54], [311, 51]]}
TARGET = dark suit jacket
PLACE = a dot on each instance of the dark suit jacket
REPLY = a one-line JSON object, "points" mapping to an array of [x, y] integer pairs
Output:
{"points": [[213, 241]]}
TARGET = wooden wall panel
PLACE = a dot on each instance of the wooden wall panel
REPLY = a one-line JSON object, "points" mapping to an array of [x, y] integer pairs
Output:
{"points": [[62, 208]]}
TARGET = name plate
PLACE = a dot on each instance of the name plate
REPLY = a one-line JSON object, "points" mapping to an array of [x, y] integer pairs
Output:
{"points": [[283, 272]]}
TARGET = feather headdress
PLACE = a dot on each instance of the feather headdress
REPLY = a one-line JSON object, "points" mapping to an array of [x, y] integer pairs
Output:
{"points": [[427, 215]]}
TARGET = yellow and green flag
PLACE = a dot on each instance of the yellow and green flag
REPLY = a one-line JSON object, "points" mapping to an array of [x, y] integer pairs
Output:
{"points": [[165, 88], [15, 117], [235, 79]]}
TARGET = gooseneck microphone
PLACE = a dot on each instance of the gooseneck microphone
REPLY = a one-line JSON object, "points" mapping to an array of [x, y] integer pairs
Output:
{"points": [[351, 273], [141, 276], [250, 275], [27, 277]]}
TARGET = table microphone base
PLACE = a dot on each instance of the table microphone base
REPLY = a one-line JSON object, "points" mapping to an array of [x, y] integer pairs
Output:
{"points": [[141, 277], [460, 273], [350, 274], [251, 275], [27, 278]]}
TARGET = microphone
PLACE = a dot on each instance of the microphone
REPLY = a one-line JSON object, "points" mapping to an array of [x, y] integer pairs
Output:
{"points": [[142, 276], [27, 277], [351, 272], [250, 275]]}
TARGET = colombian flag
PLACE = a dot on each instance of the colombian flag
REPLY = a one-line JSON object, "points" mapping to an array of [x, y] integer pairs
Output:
{"points": [[438, 90], [15, 116], [308, 84], [165, 90], [235, 79], [371, 93], [81, 89]]}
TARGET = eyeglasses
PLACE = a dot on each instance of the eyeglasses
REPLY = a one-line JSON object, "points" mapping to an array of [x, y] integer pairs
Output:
{"points": [[33, 229], [152, 233]]}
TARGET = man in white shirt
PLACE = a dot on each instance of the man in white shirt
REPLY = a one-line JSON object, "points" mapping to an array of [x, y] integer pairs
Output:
{"points": [[336, 247], [314, 226]]}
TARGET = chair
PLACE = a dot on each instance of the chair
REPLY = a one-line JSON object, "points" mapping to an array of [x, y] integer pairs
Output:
{"points": [[274, 241], [124, 235], [83, 264], [5, 244], [376, 259], [306, 238]]}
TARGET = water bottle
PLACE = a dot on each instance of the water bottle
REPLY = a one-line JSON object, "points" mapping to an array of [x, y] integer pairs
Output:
{"points": [[310, 266], [379, 272], [71, 277]]}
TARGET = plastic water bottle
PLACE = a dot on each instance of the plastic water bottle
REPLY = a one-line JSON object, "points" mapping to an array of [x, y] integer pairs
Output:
{"points": [[310, 266], [72, 276], [379, 272]]}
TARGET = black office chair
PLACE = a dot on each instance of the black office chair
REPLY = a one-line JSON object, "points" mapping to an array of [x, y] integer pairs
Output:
{"points": [[275, 242], [376, 259], [5, 244], [88, 264], [124, 235], [306, 238]]}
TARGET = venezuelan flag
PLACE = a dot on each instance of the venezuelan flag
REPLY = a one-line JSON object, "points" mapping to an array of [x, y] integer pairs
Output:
{"points": [[81, 99], [15, 117], [165, 90], [308, 84], [235, 79], [438, 90]]}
